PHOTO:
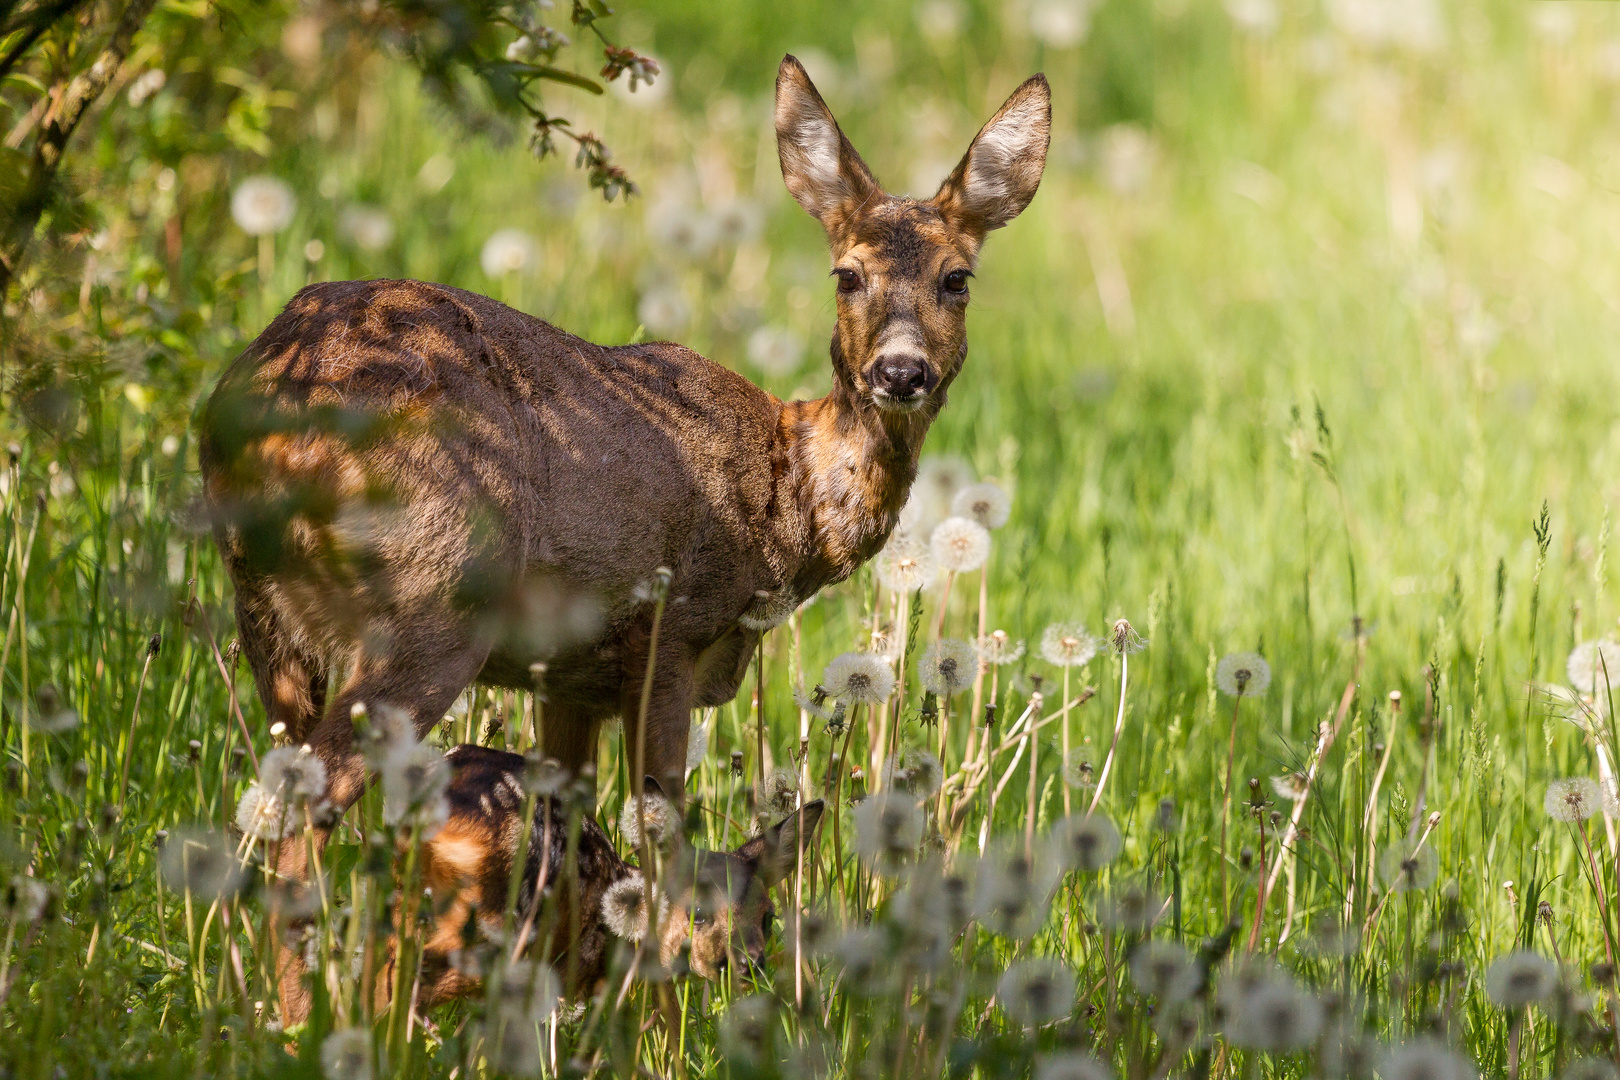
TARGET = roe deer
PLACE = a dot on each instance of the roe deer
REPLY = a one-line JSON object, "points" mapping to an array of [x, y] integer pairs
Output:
{"points": [[415, 487], [719, 901]]}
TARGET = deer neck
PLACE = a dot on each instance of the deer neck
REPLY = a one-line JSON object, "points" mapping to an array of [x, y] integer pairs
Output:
{"points": [[850, 467]]}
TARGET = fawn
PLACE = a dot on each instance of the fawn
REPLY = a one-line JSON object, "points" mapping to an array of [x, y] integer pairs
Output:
{"points": [[415, 487], [719, 904]]}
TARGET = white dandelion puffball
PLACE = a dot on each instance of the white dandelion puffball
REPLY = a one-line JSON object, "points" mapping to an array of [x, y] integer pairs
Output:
{"points": [[264, 815], [530, 990], [1274, 1014], [261, 205], [780, 791], [948, 667], [1071, 1065], [624, 907], [1243, 674], [1403, 870], [23, 899], [1292, 786], [681, 230], [737, 221], [369, 227], [984, 502], [914, 771], [1061, 24], [293, 773], [656, 812], [1085, 843], [858, 678], [202, 862], [507, 251], [1036, 991], [888, 828], [1594, 667], [997, 648], [1165, 970], [663, 310], [904, 566], [346, 1055], [1068, 645], [960, 544], [775, 350], [939, 478], [1574, 799], [1521, 978], [414, 780], [1425, 1058], [697, 745]]}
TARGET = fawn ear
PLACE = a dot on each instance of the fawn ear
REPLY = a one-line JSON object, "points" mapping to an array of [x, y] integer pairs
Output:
{"points": [[998, 175], [775, 852], [651, 787], [819, 166]]}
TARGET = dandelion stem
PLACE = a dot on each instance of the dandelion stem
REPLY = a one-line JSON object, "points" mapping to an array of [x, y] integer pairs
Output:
{"points": [[1067, 807], [1226, 796], [1119, 726]]}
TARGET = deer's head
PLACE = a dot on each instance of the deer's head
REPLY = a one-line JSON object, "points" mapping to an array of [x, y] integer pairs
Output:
{"points": [[720, 901], [903, 265]]}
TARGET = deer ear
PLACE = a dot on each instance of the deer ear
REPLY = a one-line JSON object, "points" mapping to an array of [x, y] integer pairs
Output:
{"points": [[651, 787], [820, 167], [776, 851], [998, 175]]}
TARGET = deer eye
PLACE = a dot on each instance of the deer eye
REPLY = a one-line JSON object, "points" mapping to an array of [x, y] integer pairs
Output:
{"points": [[848, 280], [956, 281]]}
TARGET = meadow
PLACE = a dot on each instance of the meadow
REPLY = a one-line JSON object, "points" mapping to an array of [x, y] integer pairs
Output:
{"points": [[1298, 380]]}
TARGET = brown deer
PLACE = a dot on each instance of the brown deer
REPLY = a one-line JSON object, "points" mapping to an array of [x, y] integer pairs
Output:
{"points": [[719, 906], [415, 487]]}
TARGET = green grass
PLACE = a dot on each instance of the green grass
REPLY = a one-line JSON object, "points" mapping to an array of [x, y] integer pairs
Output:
{"points": [[1369, 334]]}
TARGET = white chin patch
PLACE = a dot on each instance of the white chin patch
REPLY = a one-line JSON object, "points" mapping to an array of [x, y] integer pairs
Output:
{"points": [[887, 401]]}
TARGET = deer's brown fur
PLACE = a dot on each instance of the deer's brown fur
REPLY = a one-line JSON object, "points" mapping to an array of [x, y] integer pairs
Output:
{"points": [[415, 487]]}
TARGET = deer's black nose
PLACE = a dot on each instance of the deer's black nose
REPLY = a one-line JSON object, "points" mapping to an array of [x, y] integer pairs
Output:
{"points": [[901, 377]]}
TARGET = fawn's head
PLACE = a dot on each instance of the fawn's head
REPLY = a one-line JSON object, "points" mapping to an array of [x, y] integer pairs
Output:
{"points": [[720, 901], [903, 264]]}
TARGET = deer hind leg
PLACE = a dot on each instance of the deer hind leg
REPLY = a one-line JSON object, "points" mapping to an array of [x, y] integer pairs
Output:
{"points": [[425, 664]]}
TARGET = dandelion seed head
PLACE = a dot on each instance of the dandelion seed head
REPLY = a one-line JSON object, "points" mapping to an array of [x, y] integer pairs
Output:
{"points": [[264, 815], [1292, 786], [947, 667], [544, 777], [888, 828], [1404, 868], [939, 478], [293, 773], [1166, 971], [529, 990], [1036, 991], [1592, 1068], [1085, 843], [1124, 639], [23, 899], [1274, 1014], [1012, 893], [1077, 770], [780, 791], [998, 647], [261, 205], [1071, 1065], [1131, 909], [1068, 645], [1425, 1058], [624, 907], [904, 565], [507, 251], [858, 678], [959, 544], [415, 778], [1574, 799], [1243, 674], [1521, 978], [984, 502], [1594, 667], [662, 822], [202, 862], [914, 771], [346, 1055]]}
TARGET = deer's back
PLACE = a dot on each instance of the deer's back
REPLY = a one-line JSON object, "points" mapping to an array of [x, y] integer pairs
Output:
{"points": [[496, 440]]}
